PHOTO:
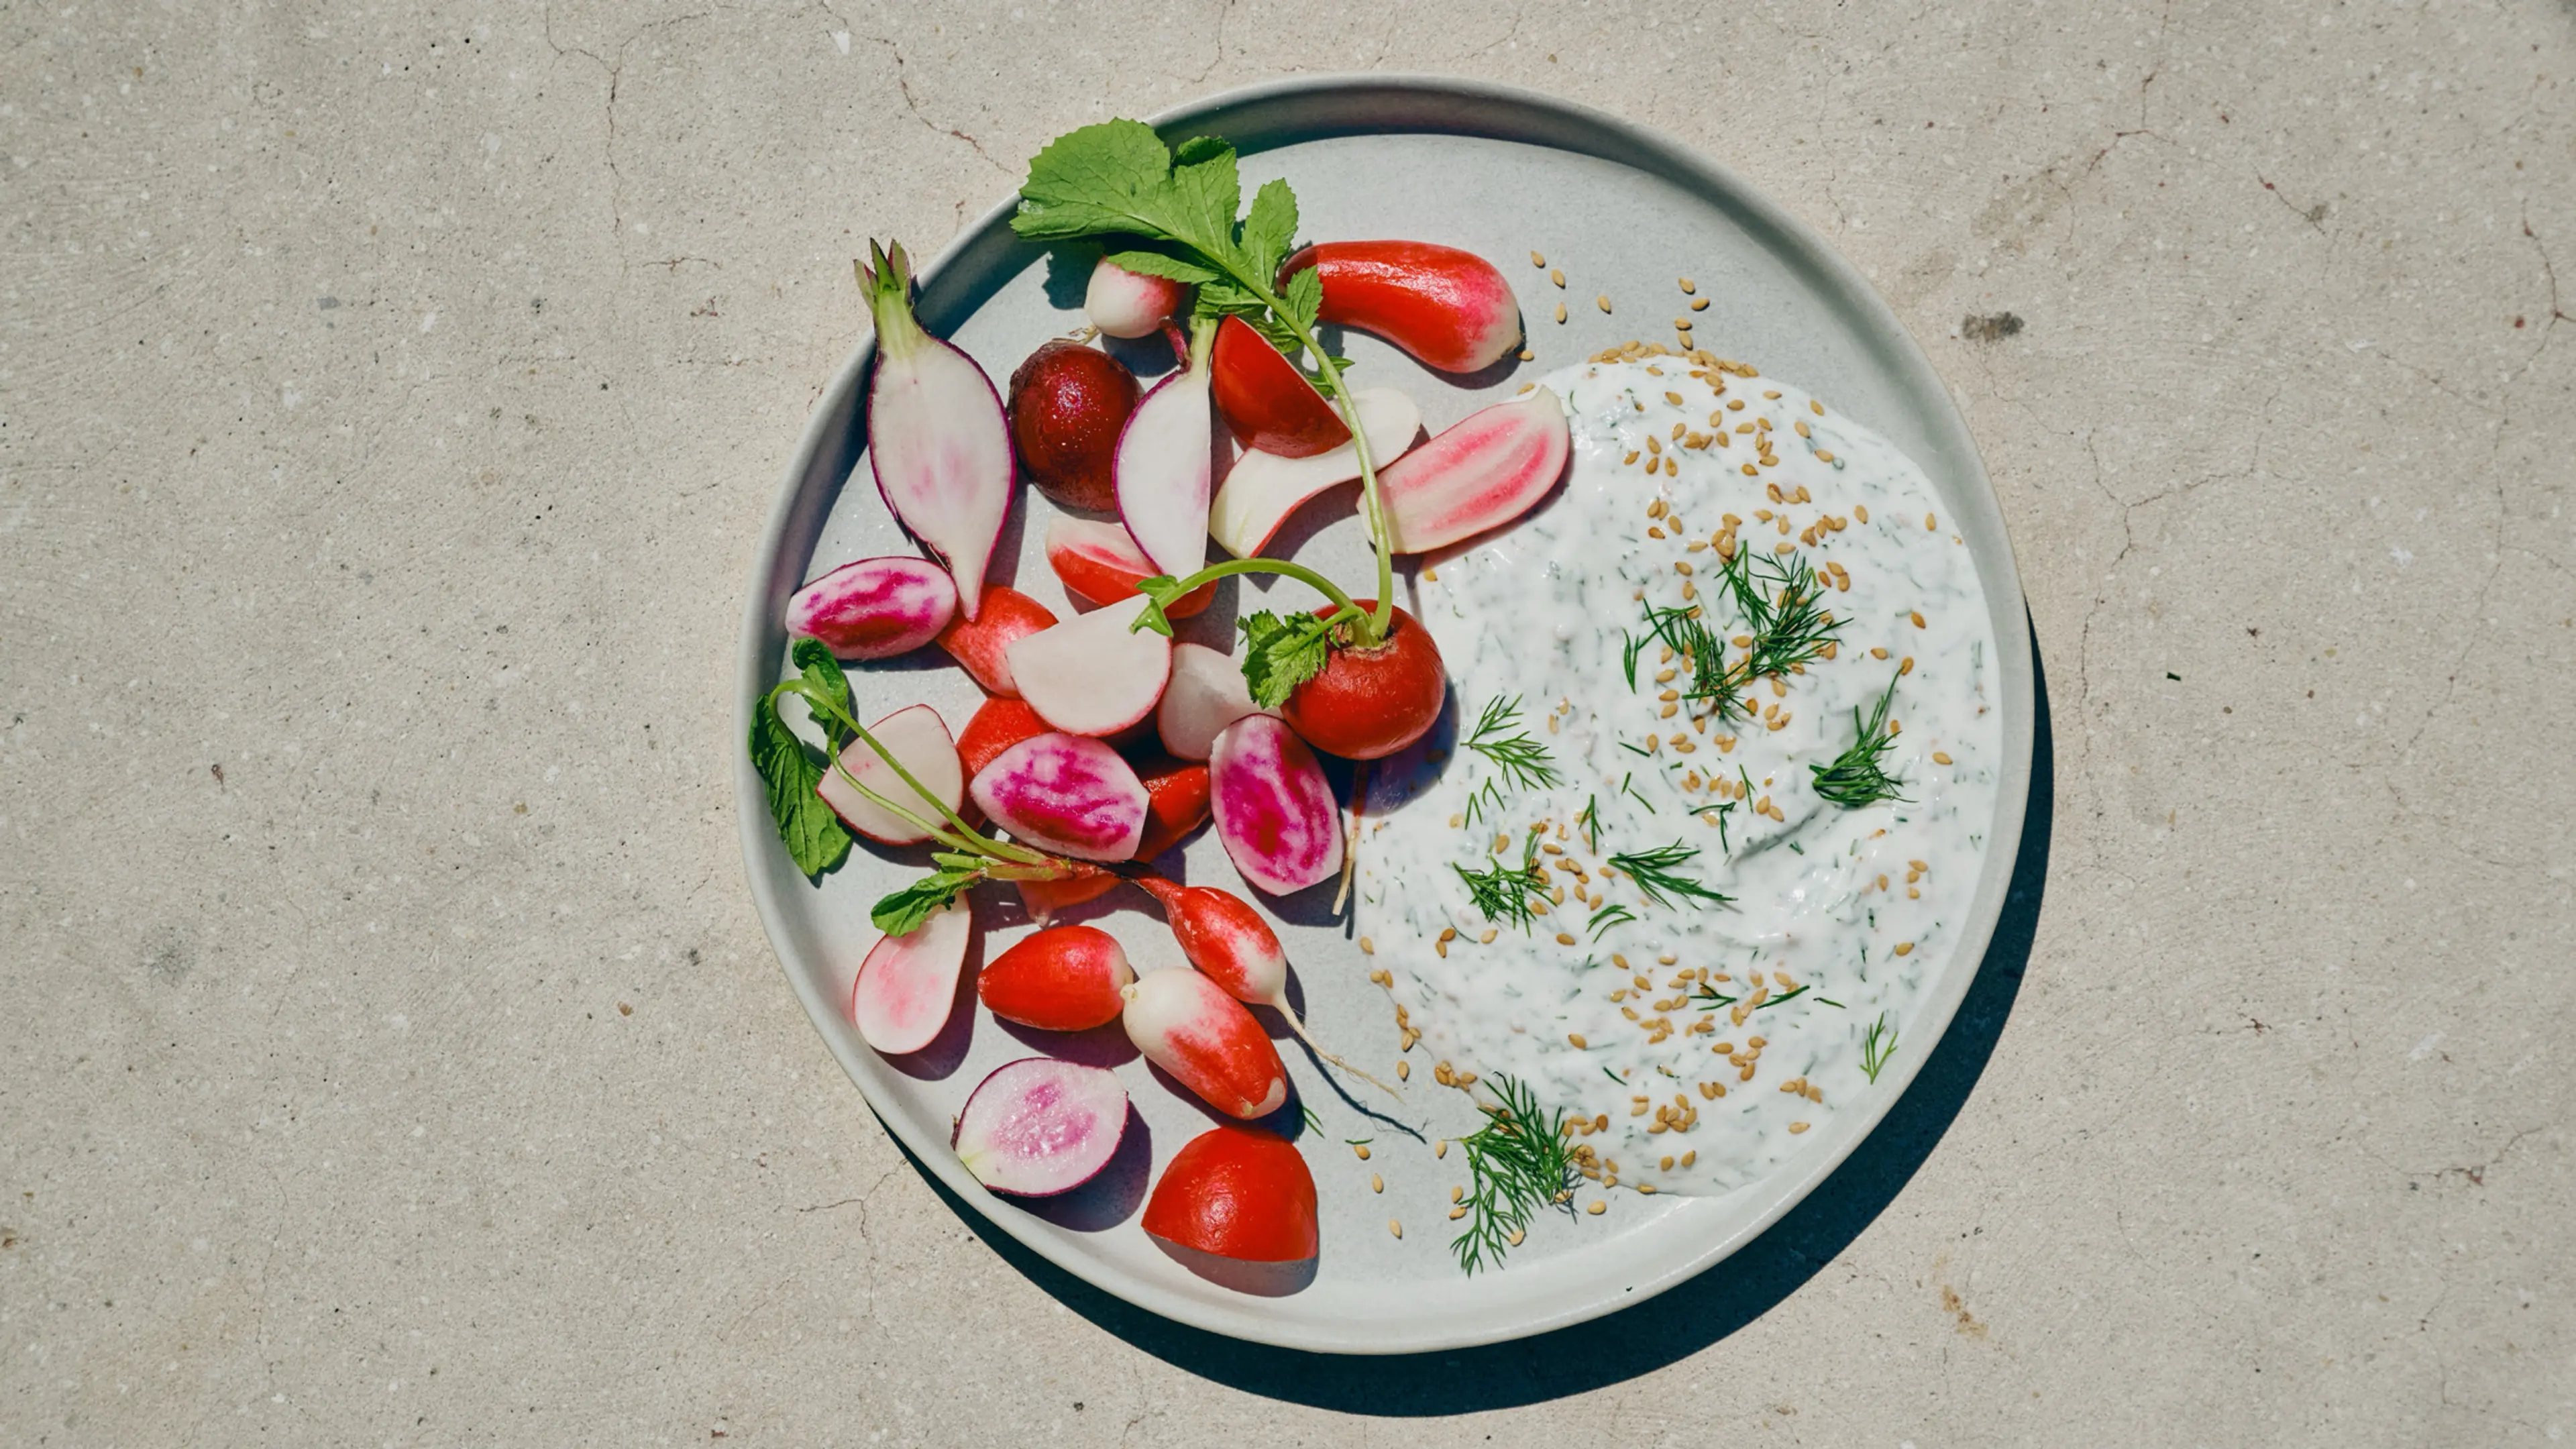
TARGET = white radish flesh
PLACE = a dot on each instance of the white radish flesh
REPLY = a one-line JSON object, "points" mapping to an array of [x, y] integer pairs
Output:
{"points": [[917, 737], [1274, 809], [1093, 674], [1165, 470], [938, 442], [908, 983], [1262, 489], [1122, 303], [1187, 1025], [1068, 794], [875, 608], [1036, 1127], [1481, 474], [1206, 693]]}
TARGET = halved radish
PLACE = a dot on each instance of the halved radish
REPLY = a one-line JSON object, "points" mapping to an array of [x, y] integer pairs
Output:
{"points": [[1262, 489], [1166, 470], [938, 444], [1176, 803], [1483, 473], [1043, 898], [1100, 564], [1035, 1127], [874, 608], [1094, 674], [1067, 794], [998, 724], [908, 983], [1237, 1192], [1066, 979], [1230, 944], [916, 736], [1122, 303], [1206, 693], [1274, 809], [1267, 402], [1190, 1028], [983, 644]]}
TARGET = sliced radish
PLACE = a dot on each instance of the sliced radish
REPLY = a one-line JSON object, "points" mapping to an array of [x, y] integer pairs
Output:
{"points": [[1274, 809], [937, 440], [1237, 1192], [1176, 803], [1166, 470], [998, 724], [983, 644], [1205, 694], [1094, 674], [1067, 794], [1190, 1028], [1483, 473], [1267, 403], [1066, 979], [1099, 563], [1043, 898], [1036, 1127], [908, 983], [875, 608], [1262, 489], [917, 737], [1122, 303]]}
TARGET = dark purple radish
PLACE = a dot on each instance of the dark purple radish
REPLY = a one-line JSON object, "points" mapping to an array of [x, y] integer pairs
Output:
{"points": [[937, 440], [1274, 808], [1166, 467], [1065, 793], [1095, 673], [875, 608], [1036, 1127], [918, 738], [908, 983], [1206, 693]]}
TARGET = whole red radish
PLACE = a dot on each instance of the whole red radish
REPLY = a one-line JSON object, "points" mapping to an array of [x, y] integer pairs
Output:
{"points": [[1370, 702], [1185, 1024], [1068, 403], [875, 608], [1449, 308], [1176, 803], [1237, 1192], [1230, 944], [1099, 563], [1065, 979], [1122, 303], [983, 644], [938, 444], [1266, 401]]}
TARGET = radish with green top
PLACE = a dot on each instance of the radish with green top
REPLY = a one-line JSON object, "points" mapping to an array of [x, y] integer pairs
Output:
{"points": [[1122, 303], [1185, 1024], [908, 983], [1065, 793], [1274, 809], [875, 608], [938, 442], [1036, 1128]]}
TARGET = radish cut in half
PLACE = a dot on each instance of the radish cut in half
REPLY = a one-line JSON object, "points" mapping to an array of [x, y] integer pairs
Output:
{"points": [[1187, 1025], [875, 608], [1166, 470], [1099, 563], [983, 644], [908, 983], [918, 737], [1035, 1127], [938, 442], [1274, 809], [1206, 693], [1262, 489], [1094, 674], [1488, 470], [1068, 794]]}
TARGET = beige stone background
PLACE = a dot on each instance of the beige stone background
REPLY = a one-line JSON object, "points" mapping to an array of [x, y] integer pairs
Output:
{"points": [[389, 400]]}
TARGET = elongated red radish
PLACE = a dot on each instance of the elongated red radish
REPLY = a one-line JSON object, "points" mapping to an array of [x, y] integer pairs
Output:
{"points": [[1069, 978], [1122, 303], [1206, 693], [1368, 703], [1043, 898], [1230, 944], [1274, 809], [1036, 1127], [1176, 803], [1099, 563], [1166, 470], [1267, 402], [916, 736], [1068, 404], [874, 608], [1237, 1192], [1489, 469], [908, 983], [983, 645], [998, 724], [1451, 309], [1065, 793], [1190, 1028], [1094, 674], [937, 440], [1262, 489]]}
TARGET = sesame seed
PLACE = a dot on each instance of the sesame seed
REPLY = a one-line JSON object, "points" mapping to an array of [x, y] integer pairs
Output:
{"points": [[1597, 1208], [1395, 1227], [1456, 1213], [1537, 259], [1930, 523], [1556, 276], [1440, 1148], [1688, 285], [1376, 1183], [1527, 355], [1560, 312], [1602, 301], [1861, 512], [1681, 324], [1904, 948], [1562, 939], [1795, 1127], [1575, 1039], [1824, 457], [1917, 617], [1940, 757], [1403, 1071], [1908, 666], [1699, 304], [1362, 1149]]}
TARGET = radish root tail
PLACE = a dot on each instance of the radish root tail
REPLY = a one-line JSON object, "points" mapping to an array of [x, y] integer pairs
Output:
{"points": [[1317, 1047], [1351, 845]]}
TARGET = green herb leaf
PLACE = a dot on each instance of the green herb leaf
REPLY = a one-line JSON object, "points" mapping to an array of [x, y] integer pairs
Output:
{"points": [[1270, 228], [1280, 654], [1858, 776], [1112, 177], [1519, 1164], [822, 678], [1503, 893], [1519, 756], [902, 913], [1658, 871], [1878, 1046], [814, 836], [1162, 264]]}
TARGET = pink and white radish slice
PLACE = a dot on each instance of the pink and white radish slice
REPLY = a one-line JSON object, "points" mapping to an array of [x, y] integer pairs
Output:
{"points": [[1036, 1127], [1231, 945], [1274, 809], [1190, 1028], [1262, 489], [918, 738], [1481, 474], [1065, 793], [908, 983], [938, 442], [1093, 674], [1166, 466], [875, 608], [1122, 303], [1206, 693]]}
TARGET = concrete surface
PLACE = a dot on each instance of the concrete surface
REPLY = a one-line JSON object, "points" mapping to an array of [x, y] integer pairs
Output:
{"points": [[389, 397]]}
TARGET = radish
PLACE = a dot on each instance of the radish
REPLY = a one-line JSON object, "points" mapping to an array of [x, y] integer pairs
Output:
{"points": [[1066, 979], [1371, 701], [1176, 803], [1206, 693], [1274, 809], [918, 738], [1166, 467], [1043, 898], [908, 983], [937, 441], [875, 608], [983, 645], [1237, 1192], [1268, 404], [1036, 1128], [1068, 405], [1184, 1024], [1231, 945], [1099, 563], [1262, 489], [1451, 309], [1481, 474], [1128, 304], [998, 724], [1066, 794], [1094, 674]]}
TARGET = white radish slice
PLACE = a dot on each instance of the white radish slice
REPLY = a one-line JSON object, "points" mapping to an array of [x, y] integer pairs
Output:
{"points": [[1037, 1127], [938, 441], [1128, 304], [1262, 489], [1165, 470], [875, 608], [1093, 674], [908, 983], [1068, 794], [1206, 693], [918, 737], [1488, 470], [1274, 809]]}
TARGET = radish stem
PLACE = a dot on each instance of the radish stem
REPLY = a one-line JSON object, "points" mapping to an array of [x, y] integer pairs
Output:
{"points": [[963, 837]]}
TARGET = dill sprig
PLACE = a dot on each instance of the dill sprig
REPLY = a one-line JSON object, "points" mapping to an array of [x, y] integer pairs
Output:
{"points": [[1877, 1046], [1522, 759], [1657, 871], [1858, 776], [1517, 1164], [1606, 917], [1503, 892], [1785, 626], [1590, 820]]}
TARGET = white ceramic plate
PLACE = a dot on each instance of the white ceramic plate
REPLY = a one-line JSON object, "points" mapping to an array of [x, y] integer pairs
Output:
{"points": [[1501, 172]]}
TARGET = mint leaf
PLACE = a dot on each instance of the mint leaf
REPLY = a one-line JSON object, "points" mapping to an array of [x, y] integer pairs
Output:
{"points": [[902, 913], [1101, 178], [1280, 654], [1158, 264], [1270, 229], [813, 835]]}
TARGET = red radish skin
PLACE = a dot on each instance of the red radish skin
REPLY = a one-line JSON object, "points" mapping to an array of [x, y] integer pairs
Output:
{"points": [[1068, 405], [983, 645], [908, 983], [1451, 309], [998, 724], [1043, 898], [1176, 803], [1262, 489], [1229, 943], [1369, 703], [875, 608], [1094, 674], [1274, 809], [1206, 693], [938, 444], [1122, 303], [1268, 404], [1237, 1192], [1491, 468], [1190, 1028], [1067, 794], [1099, 563], [1036, 1128], [919, 738], [1070, 978], [1167, 470]]}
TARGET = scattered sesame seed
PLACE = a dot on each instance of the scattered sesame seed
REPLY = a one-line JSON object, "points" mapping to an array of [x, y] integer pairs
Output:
{"points": [[1395, 1227], [1597, 1208], [1940, 757], [1688, 285], [1560, 312], [1362, 1149], [1367, 946], [1376, 1183], [1930, 523], [1861, 512], [1602, 301], [1563, 939], [1796, 1127], [1904, 948], [1403, 1071], [1537, 259]]}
